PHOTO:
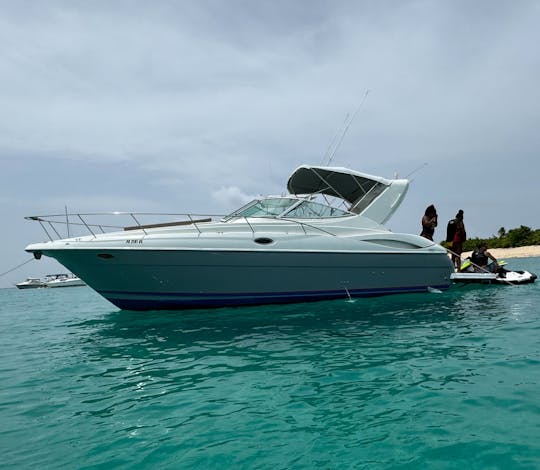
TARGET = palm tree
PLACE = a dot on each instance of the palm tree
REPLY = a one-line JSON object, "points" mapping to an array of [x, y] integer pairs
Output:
{"points": [[501, 232]]}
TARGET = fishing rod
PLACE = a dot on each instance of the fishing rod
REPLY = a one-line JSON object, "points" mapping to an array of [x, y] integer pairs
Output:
{"points": [[416, 169], [336, 143]]}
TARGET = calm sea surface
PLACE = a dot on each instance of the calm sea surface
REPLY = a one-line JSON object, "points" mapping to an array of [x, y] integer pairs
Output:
{"points": [[447, 380]]}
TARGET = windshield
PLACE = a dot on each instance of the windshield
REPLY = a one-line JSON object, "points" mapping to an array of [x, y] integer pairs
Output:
{"points": [[287, 207], [314, 210]]}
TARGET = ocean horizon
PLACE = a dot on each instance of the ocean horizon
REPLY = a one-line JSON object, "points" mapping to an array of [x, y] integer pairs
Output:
{"points": [[435, 380]]}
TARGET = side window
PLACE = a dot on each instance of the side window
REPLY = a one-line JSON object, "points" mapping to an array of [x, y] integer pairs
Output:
{"points": [[314, 210]]}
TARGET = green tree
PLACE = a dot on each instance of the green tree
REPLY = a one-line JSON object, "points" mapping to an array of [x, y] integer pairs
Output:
{"points": [[522, 236], [519, 236]]}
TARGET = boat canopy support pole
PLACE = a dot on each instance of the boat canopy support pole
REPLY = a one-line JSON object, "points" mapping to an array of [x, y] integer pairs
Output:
{"points": [[328, 184]]}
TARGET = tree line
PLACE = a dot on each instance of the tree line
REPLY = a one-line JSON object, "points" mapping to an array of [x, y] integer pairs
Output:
{"points": [[522, 236]]}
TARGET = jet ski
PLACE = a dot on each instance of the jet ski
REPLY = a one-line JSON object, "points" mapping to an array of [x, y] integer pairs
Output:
{"points": [[470, 273]]}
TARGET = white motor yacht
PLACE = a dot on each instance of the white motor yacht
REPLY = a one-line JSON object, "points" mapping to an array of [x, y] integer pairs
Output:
{"points": [[63, 280], [31, 283], [293, 248]]}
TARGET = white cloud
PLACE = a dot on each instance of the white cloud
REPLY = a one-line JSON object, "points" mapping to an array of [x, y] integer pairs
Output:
{"points": [[230, 197]]}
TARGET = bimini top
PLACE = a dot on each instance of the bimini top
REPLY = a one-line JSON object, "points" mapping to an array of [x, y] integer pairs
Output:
{"points": [[372, 196]]}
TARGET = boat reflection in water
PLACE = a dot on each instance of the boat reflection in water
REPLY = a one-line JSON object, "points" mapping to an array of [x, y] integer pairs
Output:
{"points": [[324, 240]]}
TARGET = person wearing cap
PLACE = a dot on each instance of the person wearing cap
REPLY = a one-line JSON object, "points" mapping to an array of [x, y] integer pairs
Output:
{"points": [[460, 235]]}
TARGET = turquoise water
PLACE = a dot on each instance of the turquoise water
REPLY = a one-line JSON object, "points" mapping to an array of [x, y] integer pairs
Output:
{"points": [[447, 380]]}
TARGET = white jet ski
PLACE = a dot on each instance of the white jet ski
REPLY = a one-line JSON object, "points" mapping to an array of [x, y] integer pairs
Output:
{"points": [[470, 274]]}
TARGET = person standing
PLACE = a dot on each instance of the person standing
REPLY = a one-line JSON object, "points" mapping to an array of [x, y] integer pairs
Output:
{"points": [[457, 241], [429, 222]]}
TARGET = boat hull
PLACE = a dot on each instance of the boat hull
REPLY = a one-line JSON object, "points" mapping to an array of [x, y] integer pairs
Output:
{"points": [[148, 279], [30, 286], [65, 283]]}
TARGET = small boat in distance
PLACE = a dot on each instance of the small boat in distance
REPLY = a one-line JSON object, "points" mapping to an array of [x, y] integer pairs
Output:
{"points": [[324, 240], [31, 283], [51, 280], [63, 280]]}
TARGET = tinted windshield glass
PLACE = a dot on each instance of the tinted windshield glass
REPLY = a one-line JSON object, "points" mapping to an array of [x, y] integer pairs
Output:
{"points": [[287, 207], [265, 208], [314, 210]]}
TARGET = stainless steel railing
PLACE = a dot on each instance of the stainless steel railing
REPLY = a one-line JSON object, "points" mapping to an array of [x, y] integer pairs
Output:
{"points": [[72, 225], [58, 226]]}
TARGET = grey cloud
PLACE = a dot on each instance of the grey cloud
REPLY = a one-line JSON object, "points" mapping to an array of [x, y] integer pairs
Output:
{"points": [[167, 103]]}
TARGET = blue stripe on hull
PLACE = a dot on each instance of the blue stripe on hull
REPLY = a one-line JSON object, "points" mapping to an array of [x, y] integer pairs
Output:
{"points": [[177, 301]]}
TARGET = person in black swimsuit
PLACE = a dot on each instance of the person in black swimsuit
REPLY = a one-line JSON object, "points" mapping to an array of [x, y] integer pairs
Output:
{"points": [[429, 222]]}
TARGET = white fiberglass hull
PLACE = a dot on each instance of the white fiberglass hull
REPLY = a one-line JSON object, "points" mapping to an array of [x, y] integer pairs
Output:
{"points": [[70, 282], [145, 279], [30, 285]]}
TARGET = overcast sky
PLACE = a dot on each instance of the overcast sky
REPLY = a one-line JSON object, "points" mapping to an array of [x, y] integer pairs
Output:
{"points": [[194, 106]]}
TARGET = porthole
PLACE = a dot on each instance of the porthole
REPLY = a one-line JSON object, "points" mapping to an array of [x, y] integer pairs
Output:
{"points": [[263, 240]]}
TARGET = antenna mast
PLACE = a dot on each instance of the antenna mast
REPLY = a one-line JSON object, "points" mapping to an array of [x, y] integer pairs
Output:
{"points": [[417, 169], [346, 125]]}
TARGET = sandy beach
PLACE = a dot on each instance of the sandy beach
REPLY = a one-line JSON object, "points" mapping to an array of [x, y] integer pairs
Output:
{"points": [[506, 253]]}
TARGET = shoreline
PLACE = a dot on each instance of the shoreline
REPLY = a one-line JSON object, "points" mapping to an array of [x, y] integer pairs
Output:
{"points": [[506, 253]]}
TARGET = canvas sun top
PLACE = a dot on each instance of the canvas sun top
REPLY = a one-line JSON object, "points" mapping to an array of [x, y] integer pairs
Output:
{"points": [[372, 196]]}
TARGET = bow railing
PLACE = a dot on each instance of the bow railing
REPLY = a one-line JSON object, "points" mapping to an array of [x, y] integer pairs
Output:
{"points": [[58, 226], [73, 225]]}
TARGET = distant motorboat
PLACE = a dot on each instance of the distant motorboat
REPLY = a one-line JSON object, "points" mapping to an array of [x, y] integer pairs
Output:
{"points": [[63, 280], [51, 280], [31, 283]]}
